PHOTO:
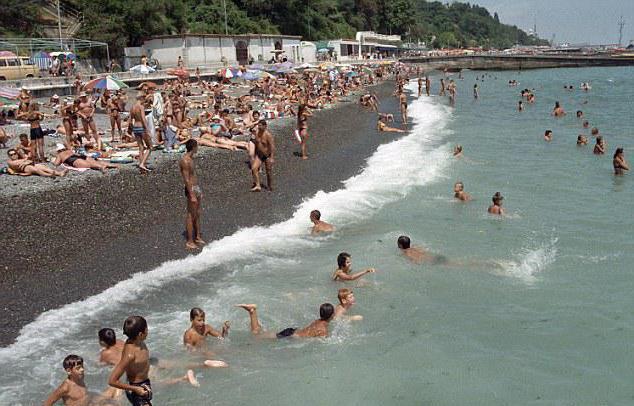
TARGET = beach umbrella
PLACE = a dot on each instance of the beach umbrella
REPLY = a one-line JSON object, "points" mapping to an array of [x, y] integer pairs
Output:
{"points": [[7, 53], [251, 75], [305, 66], [107, 82], [313, 70], [142, 69], [8, 95], [257, 66], [323, 50], [368, 71], [225, 73], [180, 72], [352, 74]]}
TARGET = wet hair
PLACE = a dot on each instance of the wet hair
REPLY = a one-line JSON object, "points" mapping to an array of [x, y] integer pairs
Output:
{"points": [[190, 144], [403, 242], [599, 139], [343, 293], [594, 131], [557, 103], [548, 132], [107, 336], [325, 311], [618, 151], [72, 360], [341, 259], [497, 197], [196, 312], [316, 214], [133, 326], [579, 113]]}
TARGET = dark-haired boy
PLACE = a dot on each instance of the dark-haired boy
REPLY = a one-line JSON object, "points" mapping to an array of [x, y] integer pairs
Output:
{"points": [[194, 195], [319, 226], [135, 362], [111, 348], [73, 390], [318, 328], [418, 255]]}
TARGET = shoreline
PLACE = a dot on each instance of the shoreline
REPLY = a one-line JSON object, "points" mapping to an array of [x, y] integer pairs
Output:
{"points": [[73, 241]]}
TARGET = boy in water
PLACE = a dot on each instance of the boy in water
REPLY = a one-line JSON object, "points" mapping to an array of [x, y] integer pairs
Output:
{"points": [[346, 301], [195, 336], [459, 192], [548, 135], [135, 362], [416, 254], [496, 207], [318, 328], [111, 348], [73, 390], [319, 226], [344, 266]]}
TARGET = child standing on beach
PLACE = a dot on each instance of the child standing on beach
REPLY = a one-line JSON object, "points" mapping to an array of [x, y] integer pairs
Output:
{"points": [[135, 362]]}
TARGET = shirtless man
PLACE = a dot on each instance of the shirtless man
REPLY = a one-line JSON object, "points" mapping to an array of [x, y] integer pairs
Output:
{"points": [[140, 131], [548, 135], [427, 85], [318, 328], [459, 193], [496, 207], [420, 86], [599, 147], [87, 114], [442, 87], [344, 267], [558, 111], [112, 107], [418, 255], [194, 195], [69, 158], [619, 163], [26, 167], [264, 152], [346, 301], [195, 336], [319, 226], [402, 97]]}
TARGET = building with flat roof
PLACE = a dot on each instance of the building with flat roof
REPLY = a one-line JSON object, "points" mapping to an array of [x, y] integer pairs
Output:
{"points": [[366, 45], [207, 49]]}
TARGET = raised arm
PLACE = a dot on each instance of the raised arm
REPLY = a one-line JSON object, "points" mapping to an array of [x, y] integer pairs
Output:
{"points": [[57, 394]]}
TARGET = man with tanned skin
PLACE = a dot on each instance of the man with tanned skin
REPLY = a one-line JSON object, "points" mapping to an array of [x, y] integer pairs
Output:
{"points": [[140, 131], [264, 152], [194, 195], [496, 207], [319, 226], [346, 301], [459, 192], [87, 114], [427, 85], [402, 97], [318, 328], [418, 255], [112, 106]]}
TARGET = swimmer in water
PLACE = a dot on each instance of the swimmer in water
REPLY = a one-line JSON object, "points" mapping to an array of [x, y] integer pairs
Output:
{"points": [[111, 348], [459, 192], [417, 254], [586, 124], [319, 226], [579, 114], [476, 92], [381, 126], [344, 267], [582, 140], [599, 147], [496, 207], [346, 301], [548, 135], [619, 162], [520, 106], [318, 328], [558, 111], [594, 132], [195, 336], [457, 151]]}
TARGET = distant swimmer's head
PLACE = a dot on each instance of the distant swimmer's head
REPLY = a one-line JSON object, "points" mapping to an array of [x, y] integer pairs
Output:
{"points": [[548, 133], [344, 260], [134, 326], [74, 366], [497, 198], [458, 186], [594, 131], [326, 311], [191, 145], [586, 124], [345, 296], [403, 242], [599, 139], [197, 317], [557, 105], [579, 114], [618, 152], [315, 216], [107, 337]]}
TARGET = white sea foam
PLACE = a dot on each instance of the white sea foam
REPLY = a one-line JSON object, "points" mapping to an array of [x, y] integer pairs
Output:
{"points": [[531, 261], [389, 174]]}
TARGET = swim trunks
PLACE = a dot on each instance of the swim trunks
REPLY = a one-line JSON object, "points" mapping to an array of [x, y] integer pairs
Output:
{"points": [[287, 332], [138, 132], [137, 400], [71, 160], [261, 155], [37, 133]]}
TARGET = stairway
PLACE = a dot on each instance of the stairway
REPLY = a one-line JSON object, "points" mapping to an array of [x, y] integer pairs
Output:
{"points": [[71, 19]]}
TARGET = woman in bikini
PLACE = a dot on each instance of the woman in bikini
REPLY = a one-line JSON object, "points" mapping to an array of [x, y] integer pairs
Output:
{"points": [[619, 162]]}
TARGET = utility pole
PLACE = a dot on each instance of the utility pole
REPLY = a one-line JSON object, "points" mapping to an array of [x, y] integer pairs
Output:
{"points": [[224, 4], [621, 25], [59, 26]]}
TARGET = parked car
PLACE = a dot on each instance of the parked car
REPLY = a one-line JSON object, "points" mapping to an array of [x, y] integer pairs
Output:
{"points": [[17, 67]]}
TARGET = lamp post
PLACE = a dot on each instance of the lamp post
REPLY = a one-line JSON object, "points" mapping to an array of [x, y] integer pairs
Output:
{"points": [[224, 4], [59, 26]]}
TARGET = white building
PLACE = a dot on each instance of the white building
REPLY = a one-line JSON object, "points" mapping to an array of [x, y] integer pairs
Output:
{"points": [[367, 44], [208, 49]]}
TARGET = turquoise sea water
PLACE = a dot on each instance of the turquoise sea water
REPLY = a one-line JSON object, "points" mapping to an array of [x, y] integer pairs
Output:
{"points": [[535, 308]]}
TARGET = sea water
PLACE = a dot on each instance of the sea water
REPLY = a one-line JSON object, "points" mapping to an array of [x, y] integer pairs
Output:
{"points": [[532, 308]]}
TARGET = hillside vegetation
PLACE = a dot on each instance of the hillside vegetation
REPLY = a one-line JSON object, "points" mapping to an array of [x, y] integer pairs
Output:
{"points": [[122, 22]]}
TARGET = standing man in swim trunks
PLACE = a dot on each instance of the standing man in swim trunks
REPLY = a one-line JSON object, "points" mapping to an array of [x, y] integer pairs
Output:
{"points": [[87, 114], [193, 194], [403, 100], [139, 129], [264, 153], [302, 127], [112, 107]]}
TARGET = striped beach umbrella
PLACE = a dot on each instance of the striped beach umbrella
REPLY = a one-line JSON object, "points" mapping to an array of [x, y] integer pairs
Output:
{"points": [[8, 95], [107, 82]]}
